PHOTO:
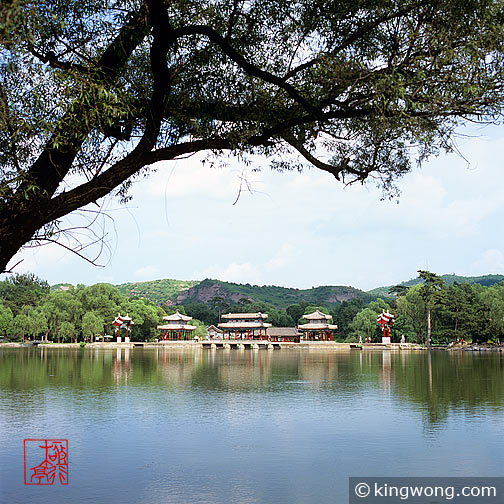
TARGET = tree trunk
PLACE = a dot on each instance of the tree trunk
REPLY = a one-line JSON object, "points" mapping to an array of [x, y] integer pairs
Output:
{"points": [[15, 230], [428, 326]]}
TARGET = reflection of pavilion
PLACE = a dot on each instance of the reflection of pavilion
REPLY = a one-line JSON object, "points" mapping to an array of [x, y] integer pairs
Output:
{"points": [[244, 370], [177, 327], [318, 327], [244, 326]]}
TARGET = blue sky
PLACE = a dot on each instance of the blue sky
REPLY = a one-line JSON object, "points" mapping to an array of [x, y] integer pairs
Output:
{"points": [[299, 230]]}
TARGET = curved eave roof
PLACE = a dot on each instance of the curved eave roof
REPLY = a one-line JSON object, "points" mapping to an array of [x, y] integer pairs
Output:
{"points": [[317, 315], [317, 326], [176, 327], [177, 316], [245, 315], [244, 325]]}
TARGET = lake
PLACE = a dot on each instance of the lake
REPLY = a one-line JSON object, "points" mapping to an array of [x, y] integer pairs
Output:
{"points": [[284, 426]]}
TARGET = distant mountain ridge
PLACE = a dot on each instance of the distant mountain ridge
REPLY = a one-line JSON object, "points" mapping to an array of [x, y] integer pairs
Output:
{"points": [[485, 280], [280, 297], [170, 292]]}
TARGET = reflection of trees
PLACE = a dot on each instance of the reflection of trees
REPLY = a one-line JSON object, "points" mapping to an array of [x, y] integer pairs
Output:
{"points": [[318, 368], [245, 369], [446, 381], [175, 368], [435, 383]]}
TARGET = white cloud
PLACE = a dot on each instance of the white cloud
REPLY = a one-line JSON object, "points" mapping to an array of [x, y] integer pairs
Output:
{"points": [[233, 272], [491, 261], [146, 272], [283, 257], [302, 229], [191, 177], [49, 256]]}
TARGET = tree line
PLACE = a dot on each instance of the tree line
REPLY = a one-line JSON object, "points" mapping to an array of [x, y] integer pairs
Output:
{"points": [[429, 312], [433, 313], [28, 309]]}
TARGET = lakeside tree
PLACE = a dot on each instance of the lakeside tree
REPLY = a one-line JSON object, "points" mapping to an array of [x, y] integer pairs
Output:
{"points": [[411, 308], [296, 311], [6, 320], [365, 324], [81, 312], [430, 291], [92, 94], [92, 325], [22, 290]]}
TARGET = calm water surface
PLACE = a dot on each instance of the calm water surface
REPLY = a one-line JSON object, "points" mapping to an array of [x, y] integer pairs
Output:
{"points": [[201, 426]]}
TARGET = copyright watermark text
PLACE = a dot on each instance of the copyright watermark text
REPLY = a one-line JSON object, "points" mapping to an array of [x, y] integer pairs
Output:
{"points": [[365, 490]]}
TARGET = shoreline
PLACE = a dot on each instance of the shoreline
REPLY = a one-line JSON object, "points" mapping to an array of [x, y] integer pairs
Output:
{"points": [[213, 344]]}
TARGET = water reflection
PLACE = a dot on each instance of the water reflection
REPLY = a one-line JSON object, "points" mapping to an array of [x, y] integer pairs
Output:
{"points": [[436, 382], [165, 425]]}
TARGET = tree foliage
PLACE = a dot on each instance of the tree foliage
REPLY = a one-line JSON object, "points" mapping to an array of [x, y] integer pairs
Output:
{"points": [[92, 94], [75, 313]]}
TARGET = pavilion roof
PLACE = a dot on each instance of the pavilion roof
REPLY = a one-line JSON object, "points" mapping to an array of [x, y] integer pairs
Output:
{"points": [[283, 331], [177, 316], [176, 327], [315, 327], [244, 325], [317, 315], [122, 320], [245, 315]]}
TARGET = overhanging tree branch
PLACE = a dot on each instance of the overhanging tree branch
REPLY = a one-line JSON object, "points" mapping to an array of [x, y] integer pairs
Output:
{"points": [[248, 67]]}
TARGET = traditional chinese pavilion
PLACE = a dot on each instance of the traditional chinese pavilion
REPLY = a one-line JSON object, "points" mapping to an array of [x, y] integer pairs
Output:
{"points": [[177, 327], [244, 326], [318, 327], [122, 322], [385, 319]]}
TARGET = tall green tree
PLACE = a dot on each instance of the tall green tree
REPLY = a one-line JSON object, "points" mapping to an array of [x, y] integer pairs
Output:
{"points": [[203, 312], [344, 313], [6, 320], [20, 325], [21, 290], [92, 325], [93, 93], [37, 322], [412, 309], [296, 311], [431, 292], [364, 324], [492, 299], [219, 304]]}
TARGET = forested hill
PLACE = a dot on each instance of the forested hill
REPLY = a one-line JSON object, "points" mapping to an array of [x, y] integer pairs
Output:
{"points": [[159, 291], [183, 292], [485, 280], [180, 292]]}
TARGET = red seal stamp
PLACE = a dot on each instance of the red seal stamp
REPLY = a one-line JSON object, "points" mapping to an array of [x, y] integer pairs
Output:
{"points": [[45, 460]]}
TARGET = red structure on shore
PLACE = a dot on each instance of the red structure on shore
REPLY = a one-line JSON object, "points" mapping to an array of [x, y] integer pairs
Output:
{"points": [[385, 319], [121, 322]]}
